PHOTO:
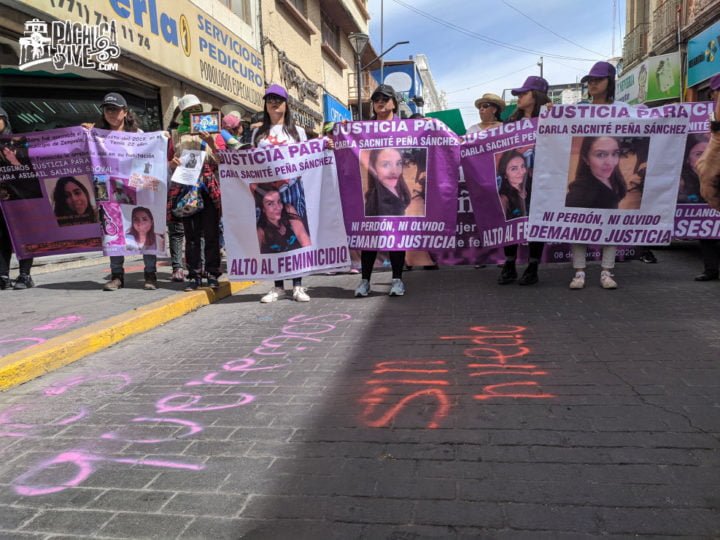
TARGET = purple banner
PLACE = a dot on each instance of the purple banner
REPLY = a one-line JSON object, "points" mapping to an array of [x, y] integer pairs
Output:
{"points": [[693, 216], [57, 186], [46, 193], [468, 239], [498, 166], [398, 183]]}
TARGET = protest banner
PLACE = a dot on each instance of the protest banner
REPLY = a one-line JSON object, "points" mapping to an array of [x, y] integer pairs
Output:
{"points": [[53, 183], [468, 238], [130, 183], [281, 210], [694, 218], [398, 182], [498, 169], [607, 174]]}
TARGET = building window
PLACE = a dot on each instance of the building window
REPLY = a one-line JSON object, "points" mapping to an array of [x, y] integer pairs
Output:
{"points": [[241, 8], [330, 34], [300, 5]]}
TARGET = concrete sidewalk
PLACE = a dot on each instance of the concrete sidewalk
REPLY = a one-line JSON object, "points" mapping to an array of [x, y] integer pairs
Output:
{"points": [[68, 316]]}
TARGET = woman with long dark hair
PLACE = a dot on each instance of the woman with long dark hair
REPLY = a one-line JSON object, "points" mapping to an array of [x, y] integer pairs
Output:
{"points": [[532, 96], [278, 127], [513, 184], [689, 191], [141, 234], [23, 281], [72, 202], [387, 193], [385, 106], [598, 181], [279, 227]]}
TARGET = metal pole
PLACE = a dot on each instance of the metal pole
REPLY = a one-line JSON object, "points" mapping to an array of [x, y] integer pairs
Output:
{"points": [[382, 35], [359, 86], [540, 63]]}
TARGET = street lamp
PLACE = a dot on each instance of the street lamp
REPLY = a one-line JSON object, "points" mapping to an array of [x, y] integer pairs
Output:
{"points": [[358, 41]]}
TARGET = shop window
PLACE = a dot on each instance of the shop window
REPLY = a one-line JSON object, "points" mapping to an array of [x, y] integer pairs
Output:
{"points": [[241, 8], [330, 34]]}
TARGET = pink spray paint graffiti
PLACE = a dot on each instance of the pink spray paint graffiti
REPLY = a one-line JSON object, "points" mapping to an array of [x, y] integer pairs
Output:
{"points": [[44, 479], [28, 341]]}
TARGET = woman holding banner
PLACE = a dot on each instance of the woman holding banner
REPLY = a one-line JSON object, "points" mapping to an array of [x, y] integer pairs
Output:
{"points": [[117, 117], [278, 127], [598, 156], [201, 229], [23, 281], [532, 96], [385, 106]]}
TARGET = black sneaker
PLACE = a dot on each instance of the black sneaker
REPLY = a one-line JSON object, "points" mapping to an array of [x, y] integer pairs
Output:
{"points": [[193, 284], [213, 282], [4, 282], [508, 273], [648, 257], [24, 281]]}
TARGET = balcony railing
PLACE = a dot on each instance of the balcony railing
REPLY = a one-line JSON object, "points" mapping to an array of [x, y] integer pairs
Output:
{"points": [[368, 85], [636, 42], [664, 22], [695, 8]]}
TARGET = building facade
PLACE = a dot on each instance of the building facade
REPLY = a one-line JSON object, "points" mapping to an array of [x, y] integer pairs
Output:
{"points": [[669, 39], [306, 49], [166, 48]]}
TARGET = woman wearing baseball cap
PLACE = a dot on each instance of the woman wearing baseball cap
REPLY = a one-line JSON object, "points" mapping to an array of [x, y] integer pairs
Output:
{"points": [[116, 116], [601, 90], [385, 107], [532, 96], [278, 128]]}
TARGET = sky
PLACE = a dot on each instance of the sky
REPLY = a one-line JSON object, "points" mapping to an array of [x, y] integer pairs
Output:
{"points": [[465, 67]]}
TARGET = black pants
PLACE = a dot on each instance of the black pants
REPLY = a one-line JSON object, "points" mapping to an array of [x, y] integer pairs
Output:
{"points": [[203, 225], [710, 250], [536, 251], [367, 262], [296, 283], [6, 252]]}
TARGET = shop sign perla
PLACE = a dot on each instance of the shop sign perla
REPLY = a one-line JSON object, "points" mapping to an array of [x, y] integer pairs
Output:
{"points": [[172, 36], [69, 44]]}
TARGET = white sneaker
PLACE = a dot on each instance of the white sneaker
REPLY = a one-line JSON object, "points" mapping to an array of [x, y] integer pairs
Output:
{"points": [[363, 289], [273, 296], [397, 288], [607, 281], [578, 282], [299, 294]]}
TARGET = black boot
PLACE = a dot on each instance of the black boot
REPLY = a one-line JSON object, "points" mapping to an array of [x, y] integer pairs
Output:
{"points": [[4, 282], [530, 276], [508, 273], [707, 275], [150, 281]]}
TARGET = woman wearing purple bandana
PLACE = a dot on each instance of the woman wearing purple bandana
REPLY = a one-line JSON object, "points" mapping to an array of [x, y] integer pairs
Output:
{"points": [[532, 96]]}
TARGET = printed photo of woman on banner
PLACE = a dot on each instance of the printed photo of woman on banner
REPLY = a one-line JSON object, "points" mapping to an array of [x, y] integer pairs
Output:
{"points": [[394, 181], [71, 200], [140, 233], [280, 228], [595, 177], [513, 173], [689, 192]]}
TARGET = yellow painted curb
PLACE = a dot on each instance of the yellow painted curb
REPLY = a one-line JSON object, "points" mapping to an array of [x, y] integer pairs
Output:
{"points": [[25, 365]]}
